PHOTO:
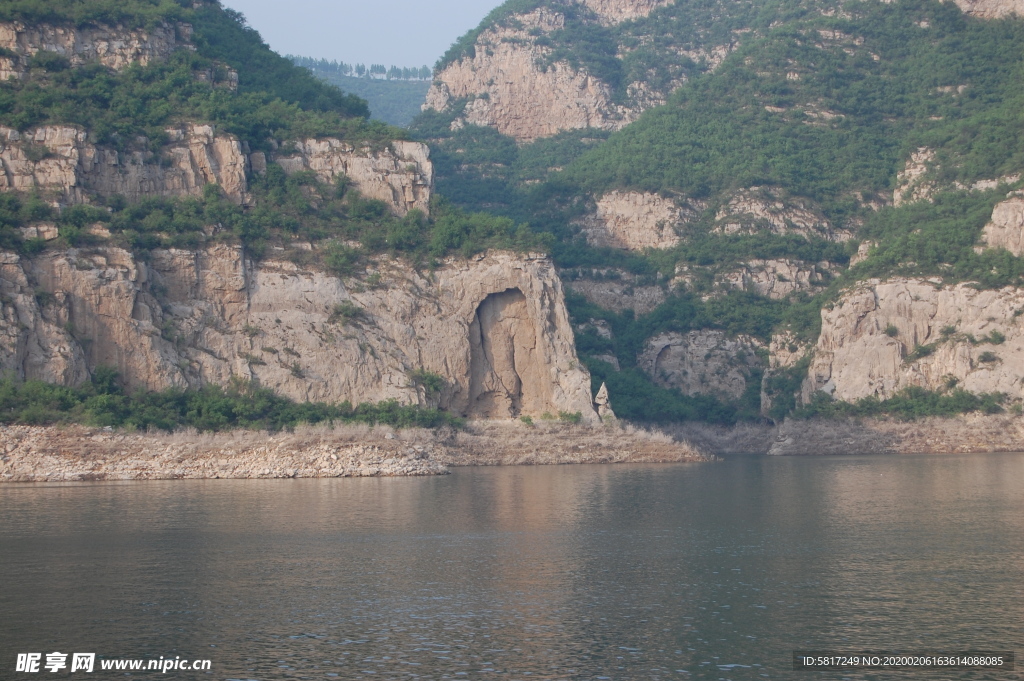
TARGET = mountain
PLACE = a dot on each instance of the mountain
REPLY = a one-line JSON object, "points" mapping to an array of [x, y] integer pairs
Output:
{"points": [[183, 212], [752, 201]]}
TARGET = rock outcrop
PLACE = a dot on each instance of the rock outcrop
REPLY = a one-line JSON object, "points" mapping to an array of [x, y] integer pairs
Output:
{"points": [[60, 163], [617, 290], [495, 328], [512, 88], [769, 209], [778, 279], [636, 221], [1006, 228], [702, 362], [913, 183], [112, 46], [991, 9], [882, 337], [400, 175], [616, 11]]}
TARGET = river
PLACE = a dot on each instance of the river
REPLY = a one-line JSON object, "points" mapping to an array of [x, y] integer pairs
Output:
{"points": [[683, 571]]}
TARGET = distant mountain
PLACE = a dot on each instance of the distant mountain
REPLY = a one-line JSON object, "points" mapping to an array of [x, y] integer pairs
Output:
{"points": [[395, 102]]}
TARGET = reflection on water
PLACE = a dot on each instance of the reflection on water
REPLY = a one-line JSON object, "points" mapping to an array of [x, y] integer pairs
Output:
{"points": [[695, 571]]}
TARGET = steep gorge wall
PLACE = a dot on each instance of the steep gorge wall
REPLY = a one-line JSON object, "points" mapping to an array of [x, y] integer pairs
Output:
{"points": [[188, 318]]}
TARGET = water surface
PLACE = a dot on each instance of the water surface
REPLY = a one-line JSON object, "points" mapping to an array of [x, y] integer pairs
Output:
{"points": [[689, 571]]}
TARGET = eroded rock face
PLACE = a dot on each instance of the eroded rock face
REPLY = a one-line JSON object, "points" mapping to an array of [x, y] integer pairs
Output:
{"points": [[61, 163], [112, 46], [705, 362], [778, 279], [1006, 228], [618, 290], [991, 9], [402, 176], [193, 317], [912, 183], [512, 91], [616, 11], [868, 340], [504, 379], [636, 221], [767, 208]]}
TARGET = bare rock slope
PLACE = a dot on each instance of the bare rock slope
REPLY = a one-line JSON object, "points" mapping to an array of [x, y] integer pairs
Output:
{"points": [[882, 337], [512, 87], [495, 328]]}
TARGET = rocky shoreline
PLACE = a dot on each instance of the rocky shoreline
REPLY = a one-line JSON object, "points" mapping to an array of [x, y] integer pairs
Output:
{"points": [[967, 433], [78, 453]]}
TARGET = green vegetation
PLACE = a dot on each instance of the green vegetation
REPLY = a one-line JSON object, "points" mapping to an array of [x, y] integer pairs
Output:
{"points": [[129, 13], [289, 209], [242, 405], [907, 405], [275, 98]]}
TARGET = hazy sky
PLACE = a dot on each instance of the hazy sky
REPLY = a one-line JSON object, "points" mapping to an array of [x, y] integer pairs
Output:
{"points": [[399, 32]]}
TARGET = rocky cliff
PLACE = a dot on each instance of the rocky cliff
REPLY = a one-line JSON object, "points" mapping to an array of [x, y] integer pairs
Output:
{"points": [[992, 9], [511, 87], [494, 327], [702, 362], [636, 221], [60, 163], [112, 46], [400, 175], [881, 337]]}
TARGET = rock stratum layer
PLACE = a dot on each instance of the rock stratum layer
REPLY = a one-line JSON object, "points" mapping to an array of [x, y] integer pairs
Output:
{"points": [[495, 327]]}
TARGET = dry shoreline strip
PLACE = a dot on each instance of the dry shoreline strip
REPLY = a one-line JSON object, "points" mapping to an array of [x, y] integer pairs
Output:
{"points": [[77, 453]]}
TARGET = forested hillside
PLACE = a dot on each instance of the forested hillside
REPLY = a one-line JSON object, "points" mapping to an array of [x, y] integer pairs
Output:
{"points": [[773, 141]]}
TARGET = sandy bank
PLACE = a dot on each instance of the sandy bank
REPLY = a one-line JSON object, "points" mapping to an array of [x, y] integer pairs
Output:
{"points": [[76, 453]]}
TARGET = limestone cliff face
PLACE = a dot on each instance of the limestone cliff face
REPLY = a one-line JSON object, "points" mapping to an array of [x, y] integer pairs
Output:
{"points": [[705, 362], [495, 328], [972, 339], [778, 279], [512, 90], [992, 9], [111, 46], [402, 176], [636, 221], [62, 164], [616, 290], [770, 209], [616, 11], [1006, 229]]}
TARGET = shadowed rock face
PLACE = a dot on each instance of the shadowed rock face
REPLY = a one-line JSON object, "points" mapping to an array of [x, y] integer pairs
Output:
{"points": [[504, 372]]}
